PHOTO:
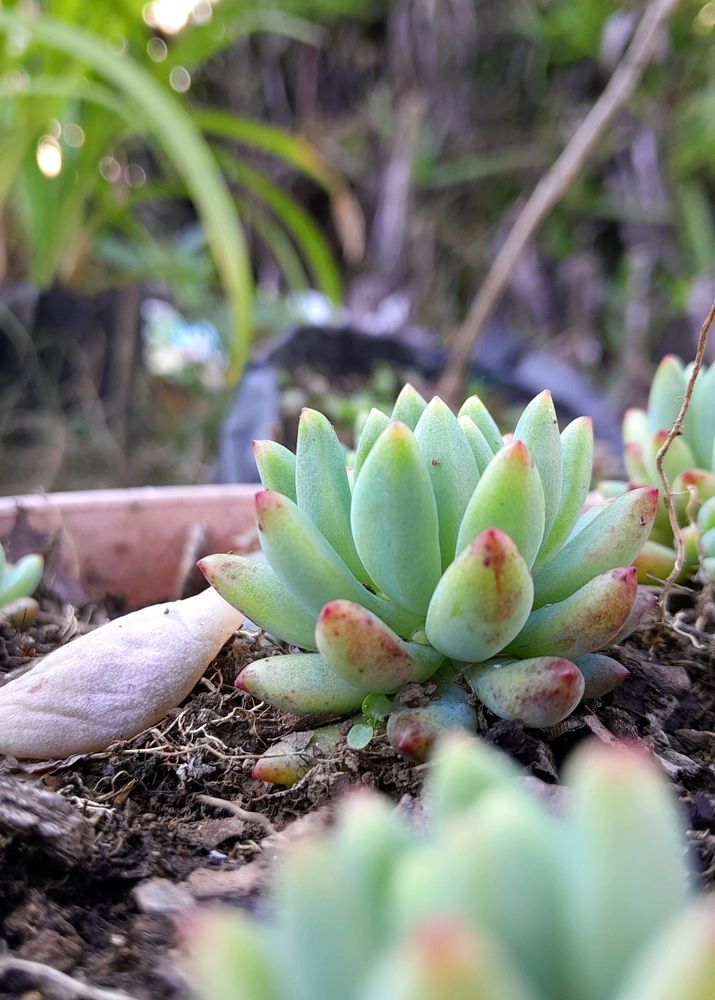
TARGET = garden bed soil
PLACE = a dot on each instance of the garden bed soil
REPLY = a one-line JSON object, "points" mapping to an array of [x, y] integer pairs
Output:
{"points": [[103, 857]]}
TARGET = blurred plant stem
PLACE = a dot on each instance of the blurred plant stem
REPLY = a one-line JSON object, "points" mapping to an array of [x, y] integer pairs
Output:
{"points": [[549, 191]]}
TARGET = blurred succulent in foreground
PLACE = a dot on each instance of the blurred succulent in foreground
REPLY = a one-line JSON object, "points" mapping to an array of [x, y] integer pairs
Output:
{"points": [[689, 465], [19, 579], [443, 547], [494, 896]]}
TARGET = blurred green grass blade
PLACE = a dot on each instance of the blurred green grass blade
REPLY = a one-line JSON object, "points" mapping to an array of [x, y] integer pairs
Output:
{"points": [[294, 218], [196, 46], [181, 141], [293, 149], [279, 244]]}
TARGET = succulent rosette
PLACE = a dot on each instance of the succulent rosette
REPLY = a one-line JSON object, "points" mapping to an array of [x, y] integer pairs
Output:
{"points": [[443, 549], [493, 896], [689, 465]]}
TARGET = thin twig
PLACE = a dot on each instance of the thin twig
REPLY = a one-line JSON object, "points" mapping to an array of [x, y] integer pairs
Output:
{"points": [[549, 191], [36, 970], [673, 433], [246, 814]]}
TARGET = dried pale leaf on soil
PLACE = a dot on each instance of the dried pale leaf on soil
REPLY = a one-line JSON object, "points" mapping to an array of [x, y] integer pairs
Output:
{"points": [[113, 682], [143, 801]]}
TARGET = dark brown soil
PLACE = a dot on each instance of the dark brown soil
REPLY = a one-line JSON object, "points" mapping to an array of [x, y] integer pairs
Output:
{"points": [[101, 857]]}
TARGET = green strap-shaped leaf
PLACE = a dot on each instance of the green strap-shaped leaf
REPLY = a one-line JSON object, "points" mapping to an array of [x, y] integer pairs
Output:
{"points": [[577, 461], [482, 600], [310, 568], [700, 421], [452, 469], [509, 496], [475, 409], [367, 653], [409, 406], [483, 454], [540, 691], [322, 488], [584, 622], [373, 427], [666, 394], [254, 589], [394, 520], [299, 683], [614, 537], [538, 428], [276, 467]]}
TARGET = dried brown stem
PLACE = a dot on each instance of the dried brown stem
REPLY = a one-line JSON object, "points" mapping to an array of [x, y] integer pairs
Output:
{"points": [[549, 191], [245, 814], [673, 433]]}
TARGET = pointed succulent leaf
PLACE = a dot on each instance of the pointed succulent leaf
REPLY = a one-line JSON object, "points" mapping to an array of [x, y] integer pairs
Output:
{"points": [[276, 467], [483, 454], [254, 589], [700, 421], [681, 961], [601, 674], [538, 428], [609, 489], [413, 730], [635, 426], [613, 538], [286, 762], [226, 948], [643, 605], [21, 579], [634, 461], [654, 563], [394, 520], [300, 683], [538, 692], [373, 427], [577, 456], [678, 458], [408, 407], [631, 874], [452, 470], [482, 600], [666, 393], [362, 650], [583, 622], [706, 515], [462, 772], [444, 958], [322, 488], [700, 480], [475, 409], [510, 833], [310, 568], [509, 496]]}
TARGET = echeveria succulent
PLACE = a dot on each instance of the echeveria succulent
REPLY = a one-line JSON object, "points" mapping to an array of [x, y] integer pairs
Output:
{"points": [[19, 579], [689, 464], [493, 895], [443, 546]]}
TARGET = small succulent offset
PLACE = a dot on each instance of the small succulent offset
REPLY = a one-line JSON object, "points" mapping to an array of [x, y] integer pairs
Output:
{"points": [[495, 896], [689, 465], [443, 547], [19, 579]]}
